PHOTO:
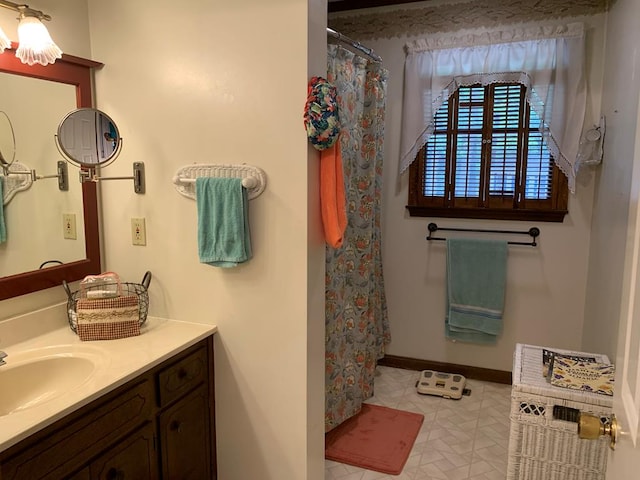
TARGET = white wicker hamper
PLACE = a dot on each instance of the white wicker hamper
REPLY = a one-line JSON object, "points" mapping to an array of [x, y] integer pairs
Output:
{"points": [[540, 446]]}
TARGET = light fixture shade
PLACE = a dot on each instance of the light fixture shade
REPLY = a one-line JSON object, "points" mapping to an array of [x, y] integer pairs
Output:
{"points": [[4, 41], [35, 44]]}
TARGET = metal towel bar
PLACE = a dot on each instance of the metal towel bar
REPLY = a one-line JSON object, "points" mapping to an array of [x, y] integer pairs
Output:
{"points": [[534, 232], [253, 178]]}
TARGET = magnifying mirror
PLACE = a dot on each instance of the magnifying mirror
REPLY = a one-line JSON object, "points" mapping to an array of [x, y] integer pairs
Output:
{"points": [[7, 142], [89, 138]]}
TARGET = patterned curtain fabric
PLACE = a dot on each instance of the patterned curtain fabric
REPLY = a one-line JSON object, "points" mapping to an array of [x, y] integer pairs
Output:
{"points": [[357, 327]]}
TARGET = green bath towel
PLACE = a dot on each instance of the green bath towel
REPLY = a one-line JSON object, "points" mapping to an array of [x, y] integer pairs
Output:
{"points": [[476, 277], [223, 222]]}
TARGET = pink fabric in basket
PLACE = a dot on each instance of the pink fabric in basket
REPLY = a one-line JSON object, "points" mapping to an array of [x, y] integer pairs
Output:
{"points": [[108, 318]]}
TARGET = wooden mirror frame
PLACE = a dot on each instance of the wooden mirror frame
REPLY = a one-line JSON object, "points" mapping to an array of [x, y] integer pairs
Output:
{"points": [[74, 71]]}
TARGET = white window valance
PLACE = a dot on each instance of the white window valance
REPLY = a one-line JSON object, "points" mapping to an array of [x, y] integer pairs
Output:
{"points": [[548, 60]]}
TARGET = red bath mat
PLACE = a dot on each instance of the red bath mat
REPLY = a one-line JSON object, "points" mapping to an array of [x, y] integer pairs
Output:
{"points": [[377, 438]]}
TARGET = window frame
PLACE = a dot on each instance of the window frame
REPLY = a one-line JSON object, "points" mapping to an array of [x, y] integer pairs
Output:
{"points": [[509, 207]]}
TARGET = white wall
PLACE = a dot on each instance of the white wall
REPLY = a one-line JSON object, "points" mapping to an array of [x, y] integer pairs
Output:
{"points": [[621, 87], [317, 65], [545, 295], [221, 82], [616, 208], [225, 82], [237, 96]]}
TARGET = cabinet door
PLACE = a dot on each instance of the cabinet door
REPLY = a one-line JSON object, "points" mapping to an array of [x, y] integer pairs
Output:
{"points": [[185, 438], [134, 458]]}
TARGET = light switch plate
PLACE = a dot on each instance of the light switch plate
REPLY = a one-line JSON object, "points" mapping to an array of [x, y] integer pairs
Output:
{"points": [[69, 226], [138, 231]]}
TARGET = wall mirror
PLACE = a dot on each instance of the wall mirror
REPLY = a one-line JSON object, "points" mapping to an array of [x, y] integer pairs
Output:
{"points": [[7, 142], [71, 80], [28, 191]]}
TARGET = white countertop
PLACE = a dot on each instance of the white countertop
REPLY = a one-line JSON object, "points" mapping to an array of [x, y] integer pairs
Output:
{"points": [[120, 361]]}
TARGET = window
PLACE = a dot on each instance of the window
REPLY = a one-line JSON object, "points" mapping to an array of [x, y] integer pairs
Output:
{"points": [[487, 159]]}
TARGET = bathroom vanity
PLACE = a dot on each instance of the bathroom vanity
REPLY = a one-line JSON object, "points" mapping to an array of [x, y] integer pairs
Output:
{"points": [[151, 417]]}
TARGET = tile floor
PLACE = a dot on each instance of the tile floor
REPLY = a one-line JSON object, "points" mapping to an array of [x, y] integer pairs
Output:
{"points": [[459, 439]]}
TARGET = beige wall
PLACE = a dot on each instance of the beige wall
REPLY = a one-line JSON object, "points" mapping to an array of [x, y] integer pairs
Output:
{"points": [[237, 96], [317, 65], [615, 221], [545, 294], [217, 104], [225, 82], [620, 95], [220, 82]]}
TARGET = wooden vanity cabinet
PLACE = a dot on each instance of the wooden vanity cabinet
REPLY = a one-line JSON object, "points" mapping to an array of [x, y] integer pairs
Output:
{"points": [[158, 426]]}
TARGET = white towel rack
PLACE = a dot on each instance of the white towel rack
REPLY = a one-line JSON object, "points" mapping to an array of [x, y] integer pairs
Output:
{"points": [[253, 178]]}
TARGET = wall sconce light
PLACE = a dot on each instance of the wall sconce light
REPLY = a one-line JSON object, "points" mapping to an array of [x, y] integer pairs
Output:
{"points": [[34, 42], [4, 41]]}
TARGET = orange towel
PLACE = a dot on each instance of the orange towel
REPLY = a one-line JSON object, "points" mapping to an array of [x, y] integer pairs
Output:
{"points": [[332, 195]]}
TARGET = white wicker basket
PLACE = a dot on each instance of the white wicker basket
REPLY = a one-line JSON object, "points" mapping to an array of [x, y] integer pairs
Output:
{"points": [[540, 446]]}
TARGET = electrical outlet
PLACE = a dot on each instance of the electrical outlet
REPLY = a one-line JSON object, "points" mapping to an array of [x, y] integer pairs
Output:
{"points": [[69, 226], [138, 232]]}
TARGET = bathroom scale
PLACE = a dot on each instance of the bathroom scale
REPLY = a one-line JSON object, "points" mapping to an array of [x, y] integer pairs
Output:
{"points": [[447, 385]]}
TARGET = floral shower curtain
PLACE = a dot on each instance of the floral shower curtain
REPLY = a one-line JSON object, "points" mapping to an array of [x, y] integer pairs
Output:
{"points": [[357, 327]]}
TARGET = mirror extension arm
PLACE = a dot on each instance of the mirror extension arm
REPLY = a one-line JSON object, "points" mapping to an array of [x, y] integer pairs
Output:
{"points": [[62, 175], [88, 174]]}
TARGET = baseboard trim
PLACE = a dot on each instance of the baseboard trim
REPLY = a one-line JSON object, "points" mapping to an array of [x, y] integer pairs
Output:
{"points": [[477, 373]]}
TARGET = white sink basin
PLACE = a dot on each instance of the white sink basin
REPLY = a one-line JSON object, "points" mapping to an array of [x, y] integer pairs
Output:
{"points": [[33, 377]]}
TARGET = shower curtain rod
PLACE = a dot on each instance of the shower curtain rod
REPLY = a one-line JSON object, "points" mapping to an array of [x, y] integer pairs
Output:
{"points": [[357, 45]]}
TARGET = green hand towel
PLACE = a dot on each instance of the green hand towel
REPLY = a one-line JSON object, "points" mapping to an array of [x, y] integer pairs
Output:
{"points": [[476, 277], [223, 222]]}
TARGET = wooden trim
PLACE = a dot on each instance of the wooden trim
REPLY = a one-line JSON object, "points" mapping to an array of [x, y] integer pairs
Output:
{"points": [[68, 69], [476, 373], [344, 5], [488, 213], [212, 406]]}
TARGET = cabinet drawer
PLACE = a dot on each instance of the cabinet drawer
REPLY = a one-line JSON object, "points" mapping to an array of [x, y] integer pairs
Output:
{"points": [[181, 377], [69, 445]]}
